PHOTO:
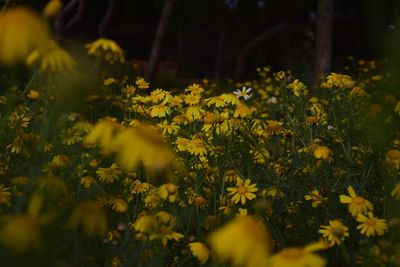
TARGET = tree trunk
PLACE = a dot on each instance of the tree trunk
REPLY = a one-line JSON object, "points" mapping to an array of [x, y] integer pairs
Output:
{"points": [[324, 31], [104, 25], [159, 39], [261, 39]]}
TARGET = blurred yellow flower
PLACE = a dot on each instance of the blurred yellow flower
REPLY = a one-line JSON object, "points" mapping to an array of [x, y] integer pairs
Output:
{"points": [[242, 111], [5, 195], [106, 49], [168, 192], [165, 234], [33, 94], [243, 241], [335, 232], [371, 226], [356, 203], [22, 232], [87, 181], [119, 205], [299, 257], [21, 32], [322, 152], [52, 8], [200, 251], [90, 217]]}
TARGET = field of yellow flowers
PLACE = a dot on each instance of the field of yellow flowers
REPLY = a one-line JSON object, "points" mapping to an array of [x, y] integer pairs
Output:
{"points": [[99, 168]]}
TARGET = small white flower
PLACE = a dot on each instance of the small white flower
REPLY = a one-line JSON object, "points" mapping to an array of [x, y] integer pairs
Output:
{"points": [[243, 93], [272, 100], [330, 127]]}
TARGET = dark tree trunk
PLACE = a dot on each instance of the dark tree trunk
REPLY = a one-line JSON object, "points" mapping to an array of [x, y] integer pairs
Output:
{"points": [[107, 18], [258, 41], [324, 31], [159, 39]]}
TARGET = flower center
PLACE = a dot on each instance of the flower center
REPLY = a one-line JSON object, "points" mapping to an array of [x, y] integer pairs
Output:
{"points": [[358, 200], [370, 222], [241, 190], [292, 253]]}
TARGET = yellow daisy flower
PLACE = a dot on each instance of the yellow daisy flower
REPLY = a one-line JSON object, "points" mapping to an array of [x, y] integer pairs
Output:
{"points": [[200, 251], [356, 203], [109, 175], [243, 191], [335, 232], [371, 226], [299, 257]]}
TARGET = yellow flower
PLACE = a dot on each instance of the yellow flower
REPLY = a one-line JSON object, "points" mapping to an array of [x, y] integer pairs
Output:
{"points": [[371, 226], [192, 99], [160, 111], [242, 111], [281, 75], [396, 191], [91, 217], [195, 89], [299, 257], [56, 59], [200, 251], [242, 191], [145, 224], [356, 203], [33, 94], [104, 133], [21, 32], [87, 181], [298, 88], [119, 205], [196, 147], [52, 8], [168, 128], [217, 101], [109, 175], [194, 113], [243, 241], [322, 152], [335, 232], [142, 84], [168, 191], [315, 197], [392, 158], [106, 49], [338, 80], [21, 232], [165, 234]]}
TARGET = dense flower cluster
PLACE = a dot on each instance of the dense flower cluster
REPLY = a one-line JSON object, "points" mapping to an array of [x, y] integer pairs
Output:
{"points": [[261, 173]]}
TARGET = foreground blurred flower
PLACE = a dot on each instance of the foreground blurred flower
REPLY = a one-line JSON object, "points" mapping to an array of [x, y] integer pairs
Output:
{"points": [[356, 203], [243, 241], [243, 191], [21, 32], [106, 49], [54, 59], [21, 232], [370, 225], [299, 257], [52, 8], [200, 251], [90, 217], [335, 232]]}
